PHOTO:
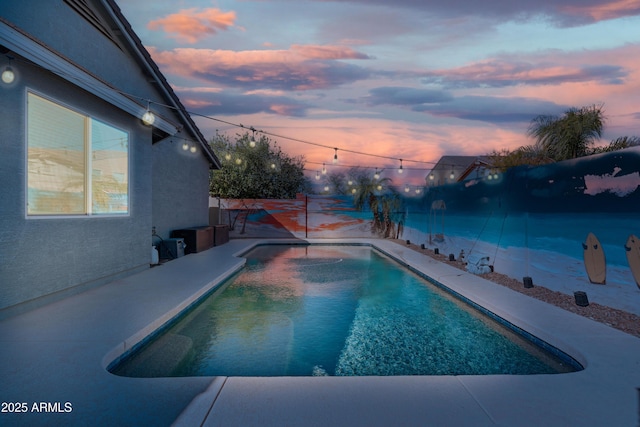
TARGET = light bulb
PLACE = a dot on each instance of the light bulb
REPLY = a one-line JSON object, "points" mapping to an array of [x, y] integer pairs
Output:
{"points": [[193, 149], [324, 169], [252, 142], [185, 146], [353, 191], [335, 156], [148, 118], [406, 188], [8, 76], [227, 156]]}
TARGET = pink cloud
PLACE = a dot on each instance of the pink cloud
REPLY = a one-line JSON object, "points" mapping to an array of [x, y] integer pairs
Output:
{"points": [[192, 25], [299, 68], [606, 10], [327, 52]]}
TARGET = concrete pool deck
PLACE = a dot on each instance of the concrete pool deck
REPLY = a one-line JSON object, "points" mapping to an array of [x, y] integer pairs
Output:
{"points": [[57, 355]]}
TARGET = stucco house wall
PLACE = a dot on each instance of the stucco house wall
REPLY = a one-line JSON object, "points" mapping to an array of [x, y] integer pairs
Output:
{"points": [[47, 257]]}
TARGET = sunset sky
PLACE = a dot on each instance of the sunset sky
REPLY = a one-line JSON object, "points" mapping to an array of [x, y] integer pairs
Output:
{"points": [[406, 79]]}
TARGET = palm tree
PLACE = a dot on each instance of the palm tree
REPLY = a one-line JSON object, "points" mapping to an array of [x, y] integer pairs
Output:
{"points": [[381, 198], [571, 135]]}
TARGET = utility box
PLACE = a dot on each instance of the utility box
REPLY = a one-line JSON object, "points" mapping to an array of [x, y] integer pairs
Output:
{"points": [[171, 248], [196, 239], [220, 234]]}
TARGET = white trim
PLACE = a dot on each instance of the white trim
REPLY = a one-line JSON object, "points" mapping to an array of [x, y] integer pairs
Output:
{"points": [[49, 60], [88, 149]]}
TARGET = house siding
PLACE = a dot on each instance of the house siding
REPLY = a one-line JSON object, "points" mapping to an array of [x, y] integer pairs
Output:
{"points": [[45, 259], [46, 255]]}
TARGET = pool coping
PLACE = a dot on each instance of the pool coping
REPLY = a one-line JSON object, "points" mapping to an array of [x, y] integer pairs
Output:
{"points": [[59, 352]]}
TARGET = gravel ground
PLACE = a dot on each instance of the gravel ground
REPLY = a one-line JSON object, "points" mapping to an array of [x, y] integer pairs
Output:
{"points": [[619, 319]]}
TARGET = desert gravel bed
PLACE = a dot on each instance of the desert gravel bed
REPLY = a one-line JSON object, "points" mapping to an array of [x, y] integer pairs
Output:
{"points": [[619, 319]]}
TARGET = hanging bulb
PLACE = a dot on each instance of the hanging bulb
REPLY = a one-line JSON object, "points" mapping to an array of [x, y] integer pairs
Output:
{"points": [[148, 117], [406, 188], [317, 175], [8, 76], [326, 188], [227, 156], [376, 175], [452, 175], [350, 182], [353, 191], [324, 169], [252, 141], [335, 156], [495, 175], [193, 149], [431, 176], [185, 146], [400, 169], [273, 166], [418, 190], [379, 187], [238, 161]]}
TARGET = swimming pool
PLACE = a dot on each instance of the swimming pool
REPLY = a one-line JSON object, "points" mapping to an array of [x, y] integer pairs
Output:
{"points": [[302, 310]]}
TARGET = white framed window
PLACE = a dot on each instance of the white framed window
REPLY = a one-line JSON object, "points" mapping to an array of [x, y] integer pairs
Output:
{"points": [[76, 164]]}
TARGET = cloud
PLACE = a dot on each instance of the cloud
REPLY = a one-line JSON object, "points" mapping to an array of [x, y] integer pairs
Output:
{"points": [[192, 25], [231, 103], [603, 10], [394, 95], [565, 13], [303, 67], [503, 73], [491, 109]]}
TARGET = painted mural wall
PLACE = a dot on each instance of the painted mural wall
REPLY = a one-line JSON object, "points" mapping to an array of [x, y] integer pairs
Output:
{"points": [[530, 221]]}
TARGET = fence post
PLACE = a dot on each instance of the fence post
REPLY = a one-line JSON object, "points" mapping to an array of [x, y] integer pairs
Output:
{"points": [[306, 216]]}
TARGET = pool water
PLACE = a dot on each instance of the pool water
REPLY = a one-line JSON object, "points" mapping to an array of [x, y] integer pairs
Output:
{"points": [[339, 311]]}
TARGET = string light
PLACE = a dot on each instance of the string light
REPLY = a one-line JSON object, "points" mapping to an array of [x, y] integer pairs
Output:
{"points": [[252, 141], [376, 175], [148, 117], [335, 156], [185, 146], [406, 188], [324, 169], [317, 175], [8, 76]]}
